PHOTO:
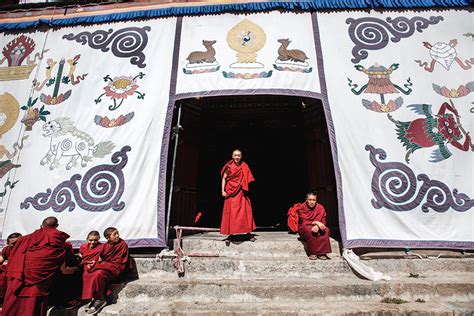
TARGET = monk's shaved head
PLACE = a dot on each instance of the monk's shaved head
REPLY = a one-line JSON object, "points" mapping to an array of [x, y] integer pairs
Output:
{"points": [[311, 193], [50, 222], [108, 231]]}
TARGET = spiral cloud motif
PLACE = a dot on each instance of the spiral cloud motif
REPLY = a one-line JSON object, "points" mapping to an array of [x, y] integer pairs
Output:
{"points": [[395, 187], [100, 189], [370, 33], [128, 42]]}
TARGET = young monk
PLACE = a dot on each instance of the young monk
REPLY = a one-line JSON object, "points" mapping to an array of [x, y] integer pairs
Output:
{"points": [[11, 240], [98, 274], [237, 215], [89, 251]]}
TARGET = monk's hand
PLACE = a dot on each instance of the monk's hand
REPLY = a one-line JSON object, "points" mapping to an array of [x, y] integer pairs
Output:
{"points": [[90, 265], [224, 194], [315, 229], [321, 225]]}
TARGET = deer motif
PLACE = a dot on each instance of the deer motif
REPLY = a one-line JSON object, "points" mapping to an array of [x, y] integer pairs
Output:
{"points": [[285, 54], [199, 57]]}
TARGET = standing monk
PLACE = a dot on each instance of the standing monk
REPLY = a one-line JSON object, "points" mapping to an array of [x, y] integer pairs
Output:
{"points": [[312, 228], [33, 263], [237, 214]]}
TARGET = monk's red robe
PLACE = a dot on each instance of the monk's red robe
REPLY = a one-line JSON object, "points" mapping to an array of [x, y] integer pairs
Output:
{"points": [[3, 271], [32, 265], [114, 260], [89, 254], [316, 244], [237, 215]]}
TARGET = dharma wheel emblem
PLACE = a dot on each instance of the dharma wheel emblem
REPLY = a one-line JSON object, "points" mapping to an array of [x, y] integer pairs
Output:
{"points": [[246, 38]]}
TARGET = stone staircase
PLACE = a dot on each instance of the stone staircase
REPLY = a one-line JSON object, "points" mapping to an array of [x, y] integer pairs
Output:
{"points": [[273, 276]]}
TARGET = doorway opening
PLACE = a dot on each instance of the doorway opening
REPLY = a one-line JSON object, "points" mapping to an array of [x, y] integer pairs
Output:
{"points": [[285, 142]]}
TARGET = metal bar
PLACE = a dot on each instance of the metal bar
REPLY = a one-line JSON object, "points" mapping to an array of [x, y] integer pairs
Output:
{"points": [[176, 131], [201, 229]]}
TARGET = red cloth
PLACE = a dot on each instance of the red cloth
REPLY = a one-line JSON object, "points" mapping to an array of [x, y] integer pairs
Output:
{"points": [[293, 218], [24, 306], [237, 215], [114, 261], [89, 254], [6, 252], [33, 262], [316, 243], [3, 271]]}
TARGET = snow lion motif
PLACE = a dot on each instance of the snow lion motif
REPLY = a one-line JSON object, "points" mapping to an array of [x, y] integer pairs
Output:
{"points": [[68, 141]]}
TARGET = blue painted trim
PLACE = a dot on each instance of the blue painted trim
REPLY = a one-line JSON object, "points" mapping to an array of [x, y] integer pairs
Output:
{"points": [[255, 6]]}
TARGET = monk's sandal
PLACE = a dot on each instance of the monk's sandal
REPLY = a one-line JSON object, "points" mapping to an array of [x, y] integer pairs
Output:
{"points": [[97, 305]]}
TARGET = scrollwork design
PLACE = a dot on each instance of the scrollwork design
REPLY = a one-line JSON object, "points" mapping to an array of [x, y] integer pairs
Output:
{"points": [[100, 189], [128, 42], [396, 188], [370, 33]]}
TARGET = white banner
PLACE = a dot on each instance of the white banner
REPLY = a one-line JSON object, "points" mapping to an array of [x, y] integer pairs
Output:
{"points": [[396, 88], [236, 52], [90, 129], [400, 90]]}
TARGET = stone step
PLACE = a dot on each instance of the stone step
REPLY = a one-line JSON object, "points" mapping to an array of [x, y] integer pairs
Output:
{"points": [[268, 244], [456, 287], [144, 306], [292, 267]]}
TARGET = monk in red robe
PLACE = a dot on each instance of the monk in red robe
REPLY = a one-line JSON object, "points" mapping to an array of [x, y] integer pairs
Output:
{"points": [[33, 263], [112, 263], [11, 240], [89, 251], [237, 215], [312, 228]]}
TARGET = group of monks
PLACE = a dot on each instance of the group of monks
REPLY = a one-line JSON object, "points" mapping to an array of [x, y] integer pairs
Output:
{"points": [[40, 262], [308, 219]]}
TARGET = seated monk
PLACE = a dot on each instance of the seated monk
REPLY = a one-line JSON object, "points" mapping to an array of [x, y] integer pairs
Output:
{"points": [[11, 240], [89, 251], [98, 274], [33, 263], [312, 228]]}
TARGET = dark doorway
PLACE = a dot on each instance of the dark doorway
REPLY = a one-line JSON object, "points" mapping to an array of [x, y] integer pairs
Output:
{"points": [[284, 140]]}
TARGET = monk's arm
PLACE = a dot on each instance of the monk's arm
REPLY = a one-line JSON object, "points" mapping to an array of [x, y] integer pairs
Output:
{"points": [[223, 182], [1, 259], [68, 270], [322, 220]]}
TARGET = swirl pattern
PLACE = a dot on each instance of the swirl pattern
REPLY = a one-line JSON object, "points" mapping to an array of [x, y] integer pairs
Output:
{"points": [[396, 188], [100, 189], [128, 42], [372, 33]]}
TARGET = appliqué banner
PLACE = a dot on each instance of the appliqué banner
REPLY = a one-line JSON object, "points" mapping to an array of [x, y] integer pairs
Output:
{"points": [[87, 111]]}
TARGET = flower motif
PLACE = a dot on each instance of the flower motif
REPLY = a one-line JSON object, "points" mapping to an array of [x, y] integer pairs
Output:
{"points": [[108, 123], [461, 91], [121, 87]]}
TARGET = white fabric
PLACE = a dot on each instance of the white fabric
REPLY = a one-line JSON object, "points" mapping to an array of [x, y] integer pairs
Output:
{"points": [[276, 25], [356, 126], [364, 270], [138, 219]]}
